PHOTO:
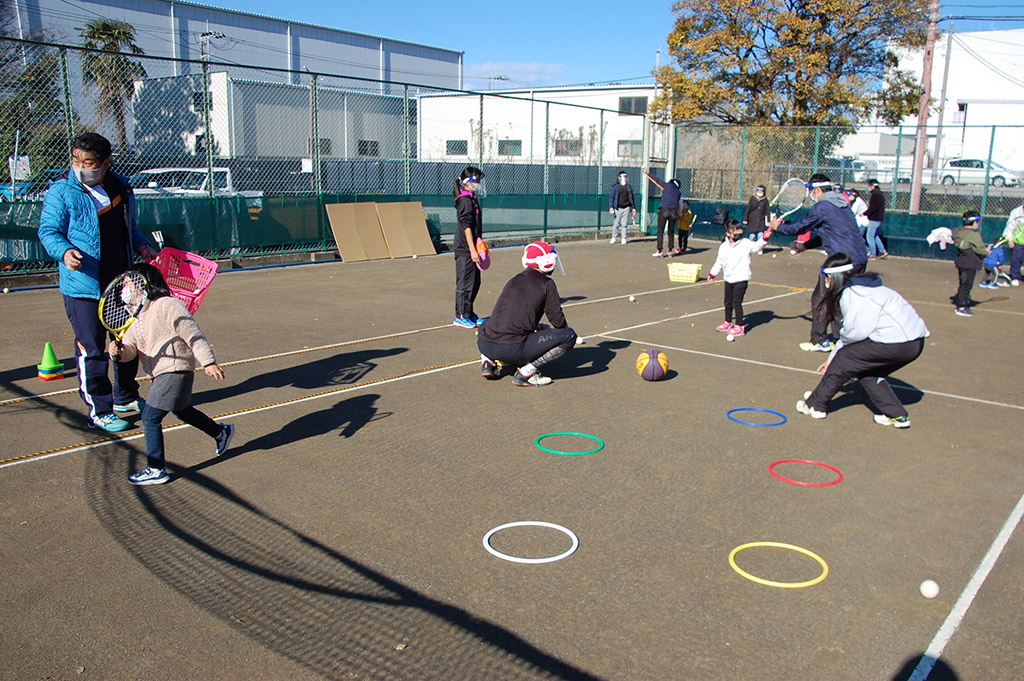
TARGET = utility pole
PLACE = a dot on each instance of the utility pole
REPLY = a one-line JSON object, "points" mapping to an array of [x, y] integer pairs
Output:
{"points": [[922, 109], [936, 157]]}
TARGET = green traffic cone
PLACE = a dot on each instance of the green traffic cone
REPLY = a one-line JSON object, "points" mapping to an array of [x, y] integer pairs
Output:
{"points": [[50, 363]]}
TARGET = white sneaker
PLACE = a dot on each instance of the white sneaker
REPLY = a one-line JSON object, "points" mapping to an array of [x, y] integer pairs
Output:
{"points": [[1015, 282], [534, 379], [623, 241], [612, 241], [804, 408]]}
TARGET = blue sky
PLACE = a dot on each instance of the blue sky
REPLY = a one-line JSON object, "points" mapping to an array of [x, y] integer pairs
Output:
{"points": [[544, 43]]}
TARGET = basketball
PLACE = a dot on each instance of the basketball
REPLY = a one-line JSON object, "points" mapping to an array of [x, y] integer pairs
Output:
{"points": [[652, 365]]}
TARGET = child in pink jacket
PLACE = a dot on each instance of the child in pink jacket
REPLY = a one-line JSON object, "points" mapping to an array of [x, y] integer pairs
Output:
{"points": [[168, 343]]}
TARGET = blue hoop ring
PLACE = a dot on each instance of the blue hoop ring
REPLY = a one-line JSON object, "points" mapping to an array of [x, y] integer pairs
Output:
{"points": [[599, 441], [729, 415]]}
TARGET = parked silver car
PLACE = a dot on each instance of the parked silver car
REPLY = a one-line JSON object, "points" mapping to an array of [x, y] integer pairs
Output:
{"points": [[974, 171]]}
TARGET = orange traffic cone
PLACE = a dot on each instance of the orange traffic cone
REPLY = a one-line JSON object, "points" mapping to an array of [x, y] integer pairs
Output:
{"points": [[50, 369]]}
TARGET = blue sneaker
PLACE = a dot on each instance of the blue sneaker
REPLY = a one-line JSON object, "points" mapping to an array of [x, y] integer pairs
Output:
{"points": [[109, 423], [464, 323], [224, 439], [824, 346], [130, 408], [150, 476]]}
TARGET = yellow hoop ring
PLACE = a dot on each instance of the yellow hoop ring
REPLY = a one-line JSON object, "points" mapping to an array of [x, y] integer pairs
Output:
{"points": [[781, 585]]}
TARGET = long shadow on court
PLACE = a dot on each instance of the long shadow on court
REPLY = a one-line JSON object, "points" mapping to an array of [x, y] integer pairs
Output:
{"points": [[353, 414], [341, 369], [294, 595]]}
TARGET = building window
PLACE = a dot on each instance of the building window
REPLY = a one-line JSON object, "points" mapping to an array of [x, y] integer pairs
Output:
{"points": [[325, 146], [631, 148], [457, 147], [510, 147], [369, 148], [568, 147], [633, 105]]}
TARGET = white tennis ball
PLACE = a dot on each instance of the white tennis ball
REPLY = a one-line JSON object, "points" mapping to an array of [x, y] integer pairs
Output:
{"points": [[632, 299], [929, 589], [774, 254], [414, 256], [729, 337], [6, 290]]}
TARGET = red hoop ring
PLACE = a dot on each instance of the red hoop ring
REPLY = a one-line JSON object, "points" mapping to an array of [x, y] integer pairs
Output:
{"points": [[801, 482]]}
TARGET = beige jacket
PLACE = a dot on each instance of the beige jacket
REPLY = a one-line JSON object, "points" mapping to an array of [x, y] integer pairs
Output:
{"points": [[166, 339]]}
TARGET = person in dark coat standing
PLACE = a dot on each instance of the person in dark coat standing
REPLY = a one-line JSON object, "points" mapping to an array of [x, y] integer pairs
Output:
{"points": [[875, 214], [755, 219], [668, 213]]}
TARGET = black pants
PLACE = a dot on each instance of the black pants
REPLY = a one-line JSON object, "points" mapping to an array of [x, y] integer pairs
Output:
{"points": [[92, 361], [666, 223], [538, 348], [820, 324], [870, 363], [963, 292], [684, 239], [467, 285], [734, 301]]}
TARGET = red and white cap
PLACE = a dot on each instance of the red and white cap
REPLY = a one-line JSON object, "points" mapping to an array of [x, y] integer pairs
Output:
{"points": [[540, 255]]}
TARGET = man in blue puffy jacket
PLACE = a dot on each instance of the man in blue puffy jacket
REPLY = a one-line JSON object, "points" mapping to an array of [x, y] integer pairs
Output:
{"points": [[837, 228], [88, 225]]}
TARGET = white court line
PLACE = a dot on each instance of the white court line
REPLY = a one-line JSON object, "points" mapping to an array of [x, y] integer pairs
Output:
{"points": [[733, 358], [956, 615], [979, 309], [243, 412]]}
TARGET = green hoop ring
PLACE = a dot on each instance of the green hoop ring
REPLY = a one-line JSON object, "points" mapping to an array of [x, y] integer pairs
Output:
{"points": [[599, 441]]}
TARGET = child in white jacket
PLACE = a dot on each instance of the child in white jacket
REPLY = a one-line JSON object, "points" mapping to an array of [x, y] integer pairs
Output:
{"points": [[734, 263]]}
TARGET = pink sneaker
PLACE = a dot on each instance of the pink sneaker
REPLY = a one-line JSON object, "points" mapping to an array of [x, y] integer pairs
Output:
{"points": [[736, 330], [724, 326]]}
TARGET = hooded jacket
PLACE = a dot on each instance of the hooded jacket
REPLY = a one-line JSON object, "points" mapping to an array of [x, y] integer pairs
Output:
{"points": [[69, 220], [836, 226], [873, 311]]}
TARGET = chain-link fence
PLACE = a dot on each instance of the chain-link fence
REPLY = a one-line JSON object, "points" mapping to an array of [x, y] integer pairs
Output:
{"points": [[226, 158]]}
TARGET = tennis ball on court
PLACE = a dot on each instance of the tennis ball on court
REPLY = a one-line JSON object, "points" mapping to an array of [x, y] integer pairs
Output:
{"points": [[774, 254], [632, 299], [929, 589], [6, 290], [729, 337], [414, 256]]}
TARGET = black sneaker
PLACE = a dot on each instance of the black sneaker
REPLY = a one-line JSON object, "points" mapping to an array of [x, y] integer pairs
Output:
{"points": [[224, 439], [489, 370]]}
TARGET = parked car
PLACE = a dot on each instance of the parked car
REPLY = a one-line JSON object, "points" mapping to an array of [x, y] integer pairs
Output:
{"points": [[31, 190], [974, 171], [188, 182]]}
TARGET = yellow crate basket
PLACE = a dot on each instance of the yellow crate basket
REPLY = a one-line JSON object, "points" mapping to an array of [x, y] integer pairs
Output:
{"points": [[684, 272]]}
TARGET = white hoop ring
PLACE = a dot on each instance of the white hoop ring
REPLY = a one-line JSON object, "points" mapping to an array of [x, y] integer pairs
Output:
{"points": [[531, 523]]}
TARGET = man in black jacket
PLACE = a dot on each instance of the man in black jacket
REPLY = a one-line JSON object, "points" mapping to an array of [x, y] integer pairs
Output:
{"points": [[875, 214], [513, 334]]}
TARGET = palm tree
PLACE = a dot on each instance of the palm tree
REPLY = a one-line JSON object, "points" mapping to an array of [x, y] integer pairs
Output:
{"points": [[114, 75]]}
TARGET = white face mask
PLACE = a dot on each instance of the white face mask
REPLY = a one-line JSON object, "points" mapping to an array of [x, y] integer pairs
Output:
{"points": [[622, 180], [90, 177]]}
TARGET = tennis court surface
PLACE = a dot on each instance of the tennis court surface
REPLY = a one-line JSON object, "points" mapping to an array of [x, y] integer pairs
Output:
{"points": [[342, 537]]}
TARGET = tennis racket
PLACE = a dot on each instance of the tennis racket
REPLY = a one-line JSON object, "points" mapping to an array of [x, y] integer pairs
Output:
{"points": [[791, 196], [121, 303]]}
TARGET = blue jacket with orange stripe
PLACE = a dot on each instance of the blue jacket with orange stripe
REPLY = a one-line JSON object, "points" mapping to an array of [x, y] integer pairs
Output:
{"points": [[70, 220]]}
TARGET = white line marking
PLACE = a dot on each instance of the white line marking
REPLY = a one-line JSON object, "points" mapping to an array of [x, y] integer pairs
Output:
{"points": [[234, 414], [956, 615]]}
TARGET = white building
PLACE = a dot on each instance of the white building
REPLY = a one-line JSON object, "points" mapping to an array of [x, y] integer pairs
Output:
{"points": [[981, 75], [561, 126]]}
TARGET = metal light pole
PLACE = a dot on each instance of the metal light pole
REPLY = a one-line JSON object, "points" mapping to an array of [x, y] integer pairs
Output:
{"points": [[922, 109]]}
